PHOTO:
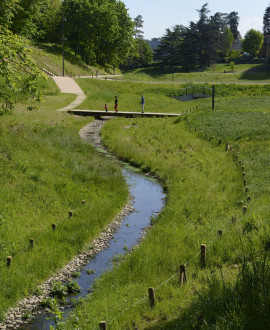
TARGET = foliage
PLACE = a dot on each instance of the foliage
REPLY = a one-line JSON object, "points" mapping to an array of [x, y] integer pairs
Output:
{"points": [[266, 21], [253, 42], [201, 43], [101, 32], [19, 74]]}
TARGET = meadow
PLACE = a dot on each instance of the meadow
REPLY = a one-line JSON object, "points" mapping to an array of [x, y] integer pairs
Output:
{"points": [[46, 171], [197, 158], [218, 73]]}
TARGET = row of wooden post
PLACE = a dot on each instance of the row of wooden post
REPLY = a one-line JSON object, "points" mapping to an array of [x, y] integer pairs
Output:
{"points": [[182, 280], [32, 241]]}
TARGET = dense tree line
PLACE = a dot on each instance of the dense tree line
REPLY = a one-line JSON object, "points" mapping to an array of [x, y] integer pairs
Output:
{"points": [[100, 31], [201, 43]]}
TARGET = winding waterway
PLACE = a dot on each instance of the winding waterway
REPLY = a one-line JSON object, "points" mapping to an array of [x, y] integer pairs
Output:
{"points": [[147, 199]]}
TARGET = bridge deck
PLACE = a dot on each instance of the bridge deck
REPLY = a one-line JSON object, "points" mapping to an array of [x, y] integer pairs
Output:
{"points": [[120, 114]]}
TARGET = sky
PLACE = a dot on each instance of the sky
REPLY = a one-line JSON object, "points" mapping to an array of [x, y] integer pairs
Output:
{"points": [[158, 15]]}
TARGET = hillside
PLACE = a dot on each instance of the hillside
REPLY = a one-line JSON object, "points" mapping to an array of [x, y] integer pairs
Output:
{"points": [[49, 57]]}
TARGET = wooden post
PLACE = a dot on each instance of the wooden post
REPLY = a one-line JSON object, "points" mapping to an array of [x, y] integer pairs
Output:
{"points": [[53, 226], [183, 274], [213, 97], [203, 255], [103, 325], [243, 174], [151, 294], [245, 182], [246, 189], [32, 242], [244, 209], [248, 198], [9, 258], [219, 141], [70, 213], [83, 201], [220, 232]]}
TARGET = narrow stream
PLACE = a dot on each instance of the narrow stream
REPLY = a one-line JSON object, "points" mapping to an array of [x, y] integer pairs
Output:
{"points": [[148, 201]]}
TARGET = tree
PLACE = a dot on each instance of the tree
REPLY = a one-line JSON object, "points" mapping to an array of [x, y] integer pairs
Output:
{"points": [[100, 31], [19, 74], [233, 22], [226, 42], [138, 34], [168, 50], [253, 42], [266, 21]]}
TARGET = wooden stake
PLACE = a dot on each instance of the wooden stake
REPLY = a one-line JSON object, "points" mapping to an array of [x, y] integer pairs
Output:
{"points": [[244, 209], [83, 201], [103, 325], [70, 213], [183, 275], [53, 226], [9, 258], [151, 294], [220, 232], [203, 255], [32, 242]]}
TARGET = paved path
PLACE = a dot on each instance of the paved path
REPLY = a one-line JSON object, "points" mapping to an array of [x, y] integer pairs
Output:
{"points": [[68, 85]]}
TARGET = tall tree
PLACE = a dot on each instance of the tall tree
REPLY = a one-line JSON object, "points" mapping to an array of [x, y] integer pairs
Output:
{"points": [[253, 42], [233, 22], [138, 33], [266, 21]]}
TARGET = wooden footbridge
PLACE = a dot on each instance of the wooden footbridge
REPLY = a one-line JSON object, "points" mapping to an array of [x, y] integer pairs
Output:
{"points": [[99, 113]]}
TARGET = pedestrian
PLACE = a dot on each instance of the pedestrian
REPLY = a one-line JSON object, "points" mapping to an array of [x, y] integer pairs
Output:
{"points": [[116, 104], [106, 107], [142, 103]]}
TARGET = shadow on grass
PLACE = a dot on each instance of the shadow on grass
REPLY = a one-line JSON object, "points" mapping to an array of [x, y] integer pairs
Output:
{"points": [[57, 50], [158, 71], [261, 72]]}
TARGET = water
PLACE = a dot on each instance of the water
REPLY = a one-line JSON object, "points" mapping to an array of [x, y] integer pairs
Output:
{"points": [[148, 202]]}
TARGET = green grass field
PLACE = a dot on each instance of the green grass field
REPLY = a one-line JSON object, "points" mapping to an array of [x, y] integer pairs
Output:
{"points": [[46, 171], [206, 193], [243, 73]]}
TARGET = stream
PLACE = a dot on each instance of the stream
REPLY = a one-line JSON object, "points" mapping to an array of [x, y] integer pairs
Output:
{"points": [[148, 199]]}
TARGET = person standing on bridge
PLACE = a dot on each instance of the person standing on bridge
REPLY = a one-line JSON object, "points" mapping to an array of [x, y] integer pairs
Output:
{"points": [[142, 103], [116, 104]]}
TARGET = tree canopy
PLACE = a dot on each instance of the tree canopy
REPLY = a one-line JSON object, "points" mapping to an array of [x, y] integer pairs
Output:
{"points": [[200, 44], [253, 42]]}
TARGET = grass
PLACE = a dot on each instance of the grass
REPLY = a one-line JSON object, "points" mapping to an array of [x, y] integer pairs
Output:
{"points": [[243, 73], [47, 170], [49, 57], [205, 194]]}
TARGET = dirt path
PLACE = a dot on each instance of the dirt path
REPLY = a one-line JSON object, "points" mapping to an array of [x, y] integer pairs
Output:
{"points": [[68, 85]]}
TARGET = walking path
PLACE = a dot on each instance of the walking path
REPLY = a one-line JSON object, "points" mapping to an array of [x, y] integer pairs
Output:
{"points": [[68, 85]]}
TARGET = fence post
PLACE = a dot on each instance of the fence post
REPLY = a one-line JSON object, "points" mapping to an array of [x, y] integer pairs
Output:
{"points": [[203, 255], [183, 274], [53, 226], [9, 258], [70, 213], [213, 97], [103, 325], [151, 294], [32, 242]]}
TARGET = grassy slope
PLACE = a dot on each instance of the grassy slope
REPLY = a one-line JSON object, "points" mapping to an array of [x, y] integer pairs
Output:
{"points": [[49, 57], [244, 73], [47, 170], [206, 189]]}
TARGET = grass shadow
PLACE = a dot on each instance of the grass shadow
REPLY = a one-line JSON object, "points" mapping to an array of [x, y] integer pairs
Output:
{"points": [[261, 72]]}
